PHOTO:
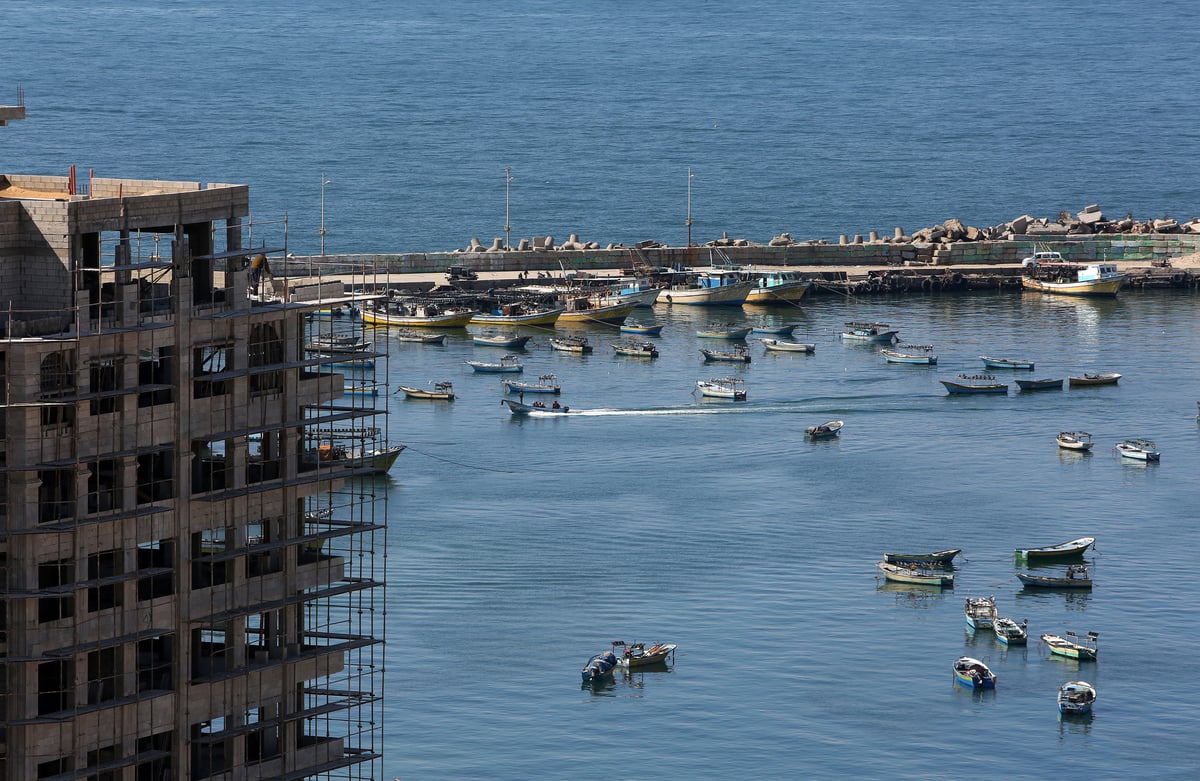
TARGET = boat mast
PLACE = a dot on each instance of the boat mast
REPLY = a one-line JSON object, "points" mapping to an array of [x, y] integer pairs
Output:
{"points": [[688, 222]]}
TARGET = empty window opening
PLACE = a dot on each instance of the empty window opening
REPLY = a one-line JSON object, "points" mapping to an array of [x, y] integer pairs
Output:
{"points": [[206, 362], [57, 383], [155, 664], [56, 494], [104, 675], [265, 349], [212, 651], [155, 476], [56, 681], [156, 569], [211, 466], [56, 577], [104, 486], [106, 566], [104, 376], [154, 368], [206, 545]]}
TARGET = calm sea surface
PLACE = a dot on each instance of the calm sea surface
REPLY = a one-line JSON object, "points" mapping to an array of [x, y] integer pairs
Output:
{"points": [[519, 547]]}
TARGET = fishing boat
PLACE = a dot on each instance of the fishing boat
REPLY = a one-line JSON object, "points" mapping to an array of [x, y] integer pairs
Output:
{"points": [[508, 341], [723, 332], [337, 343], [973, 673], [1009, 632], [341, 310], [737, 355], [508, 364], [520, 312], [521, 408], [778, 345], [1062, 549], [418, 337], [442, 391], [1075, 698], [974, 383], [862, 331], [914, 573], [335, 451], [347, 360], [1077, 576], [595, 308], [418, 313], [939, 558], [360, 389], [775, 286], [641, 330], [599, 667], [1138, 450], [723, 388], [919, 354], [546, 383], [638, 655], [571, 344], [980, 612], [1005, 363], [783, 330], [636, 349], [701, 287], [1074, 440], [1050, 383], [1068, 279], [827, 430], [1085, 649], [1086, 379]]}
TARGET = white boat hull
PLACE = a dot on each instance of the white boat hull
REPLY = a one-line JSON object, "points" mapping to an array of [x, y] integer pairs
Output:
{"points": [[725, 295]]}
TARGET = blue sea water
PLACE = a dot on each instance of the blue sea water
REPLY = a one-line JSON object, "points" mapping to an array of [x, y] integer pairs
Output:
{"points": [[518, 548]]}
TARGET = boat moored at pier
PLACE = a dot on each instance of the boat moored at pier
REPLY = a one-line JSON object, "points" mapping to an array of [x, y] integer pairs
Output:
{"points": [[1068, 279], [704, 287]]}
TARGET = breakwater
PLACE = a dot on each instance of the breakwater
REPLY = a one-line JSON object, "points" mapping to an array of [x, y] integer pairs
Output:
{"points": [[859, 268]]}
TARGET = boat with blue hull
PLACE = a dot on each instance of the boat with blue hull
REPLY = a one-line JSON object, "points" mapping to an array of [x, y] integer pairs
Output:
{"points": [[980, 612], [863, 331], [917, 354], [641, 330], [1005, 363], [1009, 632], [974, 383], [973, 673], [1075, 698], [599, 667], [1046, 383]]}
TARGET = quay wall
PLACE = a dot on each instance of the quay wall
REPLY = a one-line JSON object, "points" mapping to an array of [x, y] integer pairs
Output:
{"points": [[1116, 247]]}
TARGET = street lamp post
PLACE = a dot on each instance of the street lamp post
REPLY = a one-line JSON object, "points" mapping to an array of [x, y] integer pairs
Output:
{"points": [[507, 221], [689, 209], [324, 182]]}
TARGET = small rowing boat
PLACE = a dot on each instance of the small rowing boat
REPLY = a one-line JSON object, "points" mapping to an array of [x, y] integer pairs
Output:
{"points": [[1049, 383], [1062, 549], [779, 345], [641, 330], [980, 612], [571, 344], [973, 673], [737, 355], [940, 558], [636, 349], [918, 354], [1073, 646], [1009, 632], [405, 335], [1074, 440], [1138, 450], [508, 341], [826, 430], [860, 331], [1086, 379], [1076, 576], [442, 391], [1005, 363], [547, 383], [1075, 698], [723, 332], [974, 383], [508, 364], [912, 573]]}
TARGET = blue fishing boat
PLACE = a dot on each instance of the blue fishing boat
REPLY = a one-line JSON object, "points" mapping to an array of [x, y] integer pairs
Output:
{"points": [[723, 332], [1005, 363], [644, 330], [861, 331], [1075, 698], [973, 673], [599, 667], [783, 330], [1009, 632], [980, 612]]}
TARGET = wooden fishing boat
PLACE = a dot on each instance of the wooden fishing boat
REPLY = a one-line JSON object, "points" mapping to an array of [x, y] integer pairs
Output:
{"points": [[509, 341], [508, 364], [1075, 698], [862, 331], [1009, 632], [775, 287], [571, 344], [537, 407], [442, 391], [723, 332], [642, 330], [337, 343], [915, 574], [1005, 363], [973, 673], [1087, 378], [1068, 279], [980, 612], [737, 355], [1085, 649], [638, 655], [783, 330], [636, 349], [974, 383], [1138, 450], [520, 313], [599, 667], [595, 307], [1049, 383], [778, 345], [331, 453], [940, 558], [418, 313], [723, 388], [547, 383], [699, 287], [919, 354], [418, 337], [1077, 576], [360, 389], [827, 430], [1074, 440], [1061, 550], [345, 360]]}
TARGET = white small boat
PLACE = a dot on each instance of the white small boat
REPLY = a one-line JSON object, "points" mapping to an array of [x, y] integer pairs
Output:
{"points": [[1062, 549], [418, 337], [508, 341], [1094, 279], [827, 430], [919, 354], [1085, 649], [1005, 363], [980, 612], [508, 364], [442, 391], [723, 388], [1075, 698], [916, 574], [778, 345], [547, 383], [861, 331], [1138, 450], [571, 344], [1089, 378], [1074, 440]]}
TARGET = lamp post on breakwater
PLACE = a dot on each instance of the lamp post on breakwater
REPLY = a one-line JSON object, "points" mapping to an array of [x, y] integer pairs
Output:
{"points": [[324, 182], [689, 208], [507, 221]]}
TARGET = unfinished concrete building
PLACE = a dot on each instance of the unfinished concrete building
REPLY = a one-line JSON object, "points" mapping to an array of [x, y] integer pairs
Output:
{"points": [[190, 583]]}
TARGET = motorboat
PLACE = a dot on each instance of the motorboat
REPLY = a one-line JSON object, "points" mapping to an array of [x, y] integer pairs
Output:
{"points": [[704, 287], [1138, 450], [1075, 698], [1076, 576], [636, 349], [973, 673], [1009, 632], [546, 383], [723, 388], [638, 655], [442, 391], [1062, 549], [1005, 363], [599, 667], [641, 330], [521, 408], [779, 345], [507, 364], [1085, 649], [1089, 378], [862, 331], [1074, 440], [827, 430], [775, 286], [509, 341], [418, 313], [918, 354], [737, 355], [571, 344], [980, 612], [913, 573], [941, 558], [1068, 279], [974, 383]]}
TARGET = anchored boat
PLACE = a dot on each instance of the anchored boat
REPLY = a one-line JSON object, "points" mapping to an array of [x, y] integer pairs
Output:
{"points": [[974, 383], [1085, 649], [980, 612], [1076, 576], [913, 573], [973, 673], [1075, 698], [723, 388]]}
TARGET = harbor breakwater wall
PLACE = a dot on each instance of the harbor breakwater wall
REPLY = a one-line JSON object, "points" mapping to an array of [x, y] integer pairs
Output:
{"points": [[1152, 249]]}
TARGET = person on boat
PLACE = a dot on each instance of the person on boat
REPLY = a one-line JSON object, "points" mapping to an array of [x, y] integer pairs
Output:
{"points": [[557, 405]]}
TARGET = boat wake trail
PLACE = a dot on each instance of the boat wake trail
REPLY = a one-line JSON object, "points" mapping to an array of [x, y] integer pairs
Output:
{"points": [[741, 409]]}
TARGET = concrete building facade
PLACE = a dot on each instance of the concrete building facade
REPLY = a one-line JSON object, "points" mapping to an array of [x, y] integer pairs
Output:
{"points": [[188, 583]]}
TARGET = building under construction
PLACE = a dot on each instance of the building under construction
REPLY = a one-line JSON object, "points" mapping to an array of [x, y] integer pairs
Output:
{"points": [[191, 536]]}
